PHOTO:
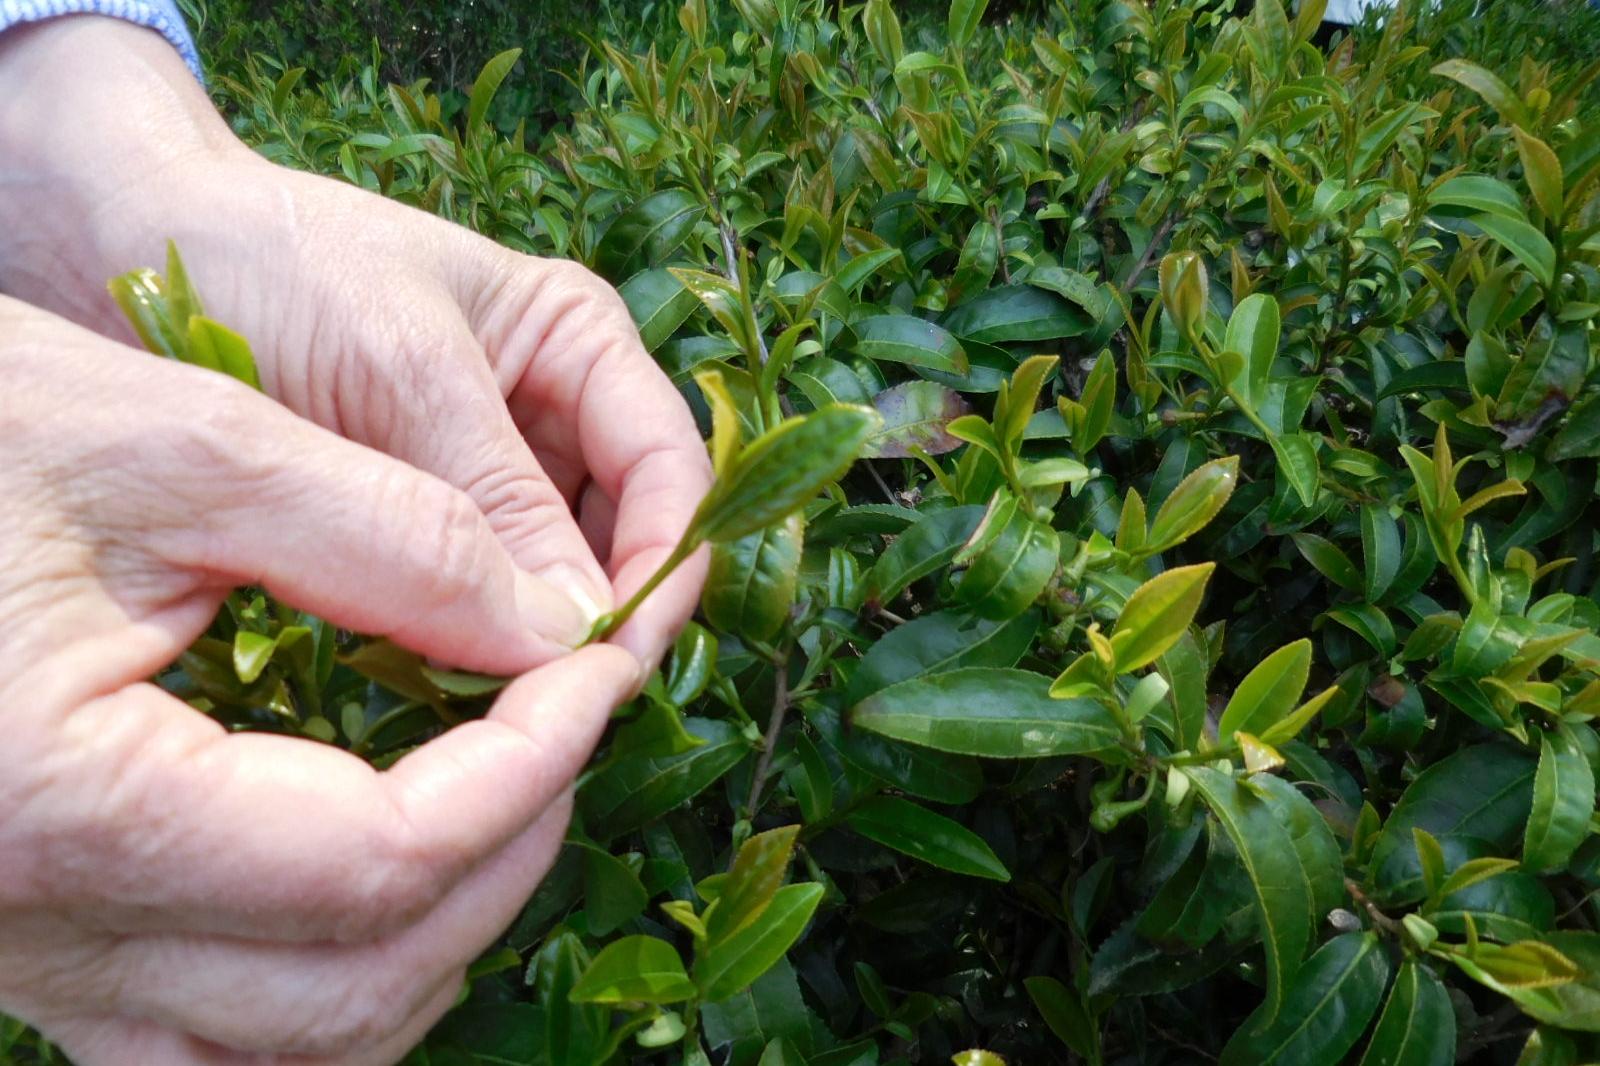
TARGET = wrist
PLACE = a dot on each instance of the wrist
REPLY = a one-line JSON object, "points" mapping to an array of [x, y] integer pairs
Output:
{"points": [[97, 118]]}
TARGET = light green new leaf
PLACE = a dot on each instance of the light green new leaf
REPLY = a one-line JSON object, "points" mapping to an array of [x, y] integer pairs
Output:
{"points": [[1563, 802], [1253, 331], [635, 969], [1542, 171], [732, 964], [1488, 85], [780, 471], [1193, 504], [965, 18], [1283, 893], [1325, 1012], [487, 84], [934, 839], [1268, 692], [1157, 614], [1004, 714], [751, 883]]}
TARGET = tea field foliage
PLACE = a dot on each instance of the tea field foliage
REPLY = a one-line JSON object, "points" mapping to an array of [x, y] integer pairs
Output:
{"points": [[1199, 661]]}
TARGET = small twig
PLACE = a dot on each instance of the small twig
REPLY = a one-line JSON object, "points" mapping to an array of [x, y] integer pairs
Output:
{"points": [[1177, 1041], [1149, 251], [729, 256], [780, 708], [1000, 239], [882, 484], [1379, 919]]}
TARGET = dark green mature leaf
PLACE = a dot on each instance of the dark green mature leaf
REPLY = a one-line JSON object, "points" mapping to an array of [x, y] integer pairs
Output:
{"points": [[1314, 842], [1324, 1013], [1009, 314], [1064, 1012], [647, 232], [752, 580], [927, 546], [1418, 1025], [658, 303], [612, 892], [1126, 964], [936, 776], [1380, 552], [1480, 193], [937, 643], [909, 340], [1531, 247], [631, 792], [1484, 791], [1297, 464], [922, 834], [1006, 714], [1283, 891], [1009, 560]]}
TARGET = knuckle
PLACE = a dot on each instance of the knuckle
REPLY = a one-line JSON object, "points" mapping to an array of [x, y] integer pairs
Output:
{"points": [[448, 550], [366, 1009], [400, 882]]}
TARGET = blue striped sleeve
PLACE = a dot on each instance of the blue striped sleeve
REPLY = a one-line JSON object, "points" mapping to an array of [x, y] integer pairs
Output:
{"points": [[159, 15]]}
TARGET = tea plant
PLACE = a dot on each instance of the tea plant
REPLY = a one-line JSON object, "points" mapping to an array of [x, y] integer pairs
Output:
{"points": [[1200, 660]]}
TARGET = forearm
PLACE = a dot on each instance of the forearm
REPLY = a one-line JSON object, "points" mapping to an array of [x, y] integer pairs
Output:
{"points": [[96, 115]]}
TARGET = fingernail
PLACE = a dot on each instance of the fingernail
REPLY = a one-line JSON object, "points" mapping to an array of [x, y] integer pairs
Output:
{"points": [[551, 611], [579, 589]]}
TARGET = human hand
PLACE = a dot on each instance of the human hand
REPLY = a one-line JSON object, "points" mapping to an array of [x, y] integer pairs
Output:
{"points": [[174, 894], [518, 380]]}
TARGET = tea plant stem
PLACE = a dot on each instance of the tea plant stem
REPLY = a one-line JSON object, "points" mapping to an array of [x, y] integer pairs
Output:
{"points": [[888, 493], [1379, 919], [780, 709], [610, 623], [1150, 250], [1000, 237]]}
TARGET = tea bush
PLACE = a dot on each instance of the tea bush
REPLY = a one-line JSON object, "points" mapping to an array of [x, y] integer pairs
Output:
{"points": [[1199, 663]]}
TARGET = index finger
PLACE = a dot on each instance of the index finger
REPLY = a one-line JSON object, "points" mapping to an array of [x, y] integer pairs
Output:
{"points": [[586, 391]]}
